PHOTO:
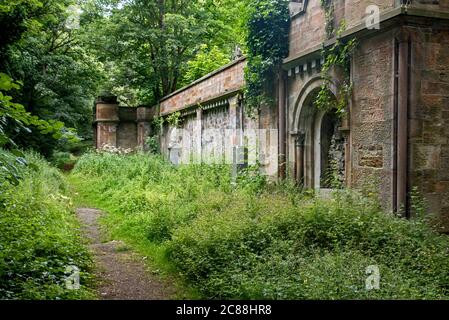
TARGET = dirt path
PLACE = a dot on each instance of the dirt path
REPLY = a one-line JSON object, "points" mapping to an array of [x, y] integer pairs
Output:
{"points": [[121, 273]]}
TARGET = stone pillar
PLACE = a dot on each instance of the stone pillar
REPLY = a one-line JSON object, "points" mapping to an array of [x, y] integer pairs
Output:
{"points": [[282, 125], [299, 157], [239, 152], [144, 117], [402, 121], [345, 131], [107, 121], [94, 126], [198, 137], [235, 121]]}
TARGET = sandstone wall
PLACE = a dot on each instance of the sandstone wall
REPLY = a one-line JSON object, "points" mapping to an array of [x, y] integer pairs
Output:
{"points": [[355, 10], [122, 127], [225, 80], [372, 116], [307, 29], [429, 117]]}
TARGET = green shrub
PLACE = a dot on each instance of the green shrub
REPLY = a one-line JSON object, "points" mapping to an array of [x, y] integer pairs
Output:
{"points": [[63, 160], [39, 237], [319, 250], [256, 240]]}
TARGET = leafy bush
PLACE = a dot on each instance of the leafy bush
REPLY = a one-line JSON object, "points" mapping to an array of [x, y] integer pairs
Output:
{"points": [[259, 241], [317, 251], [63, 160], [39, 236]]}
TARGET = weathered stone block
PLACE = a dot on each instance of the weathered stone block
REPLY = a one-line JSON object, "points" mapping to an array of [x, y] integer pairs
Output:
{"points": [[371, 156]]}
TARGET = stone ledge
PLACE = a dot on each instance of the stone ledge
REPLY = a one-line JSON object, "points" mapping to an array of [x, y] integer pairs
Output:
{"points": [[207, 76]]}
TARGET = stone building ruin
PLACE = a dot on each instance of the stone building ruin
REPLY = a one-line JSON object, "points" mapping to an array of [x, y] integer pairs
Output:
{"points": [[121, 127], [396, 130]]}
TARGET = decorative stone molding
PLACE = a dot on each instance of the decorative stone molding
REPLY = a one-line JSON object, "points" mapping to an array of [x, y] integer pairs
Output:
{"points": [[306, 67]]}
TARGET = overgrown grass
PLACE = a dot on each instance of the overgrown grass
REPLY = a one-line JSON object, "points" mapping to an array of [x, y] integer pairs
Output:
{"points": [[257, 241], [39, 236]]}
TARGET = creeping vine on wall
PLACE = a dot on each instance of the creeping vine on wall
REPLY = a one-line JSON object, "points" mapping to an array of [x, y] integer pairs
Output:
{"points": [[328, 6], [268, 29], [158, 122], [174, 119], [336, 56]]}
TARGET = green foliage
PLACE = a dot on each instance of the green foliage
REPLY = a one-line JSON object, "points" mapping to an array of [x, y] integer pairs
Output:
{"points": [[59, 76], [16, 16], [158, 122], [11, 164], [151, 48], [39, 236], [418, 204], [206, 61], [336, 58], [13, 117], [174, 119], [22, 119], [166, 196], [266, 248], [152, 144], [331, 177], [259, 241], [328, 6], [268, 29], [250, 179], [63, 160]]}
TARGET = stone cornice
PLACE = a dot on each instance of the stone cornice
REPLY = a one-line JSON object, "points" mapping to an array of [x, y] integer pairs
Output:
{"points": [[207, 76], [210, 103]]}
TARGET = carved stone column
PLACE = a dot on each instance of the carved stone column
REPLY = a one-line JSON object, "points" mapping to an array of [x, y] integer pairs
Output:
{"points": [[299, 157], [345, 131]]}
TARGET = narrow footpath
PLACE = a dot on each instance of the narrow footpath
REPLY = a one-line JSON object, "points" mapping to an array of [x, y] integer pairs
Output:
{"points": [[121, 273]]}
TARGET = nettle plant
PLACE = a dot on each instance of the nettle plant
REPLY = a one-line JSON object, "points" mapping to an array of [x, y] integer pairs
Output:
{"points": [[268, 29]]}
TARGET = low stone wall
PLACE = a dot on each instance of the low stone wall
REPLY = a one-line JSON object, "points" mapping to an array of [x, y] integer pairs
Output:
{"points": [[214, 126], [227, 79], [220, 132]]}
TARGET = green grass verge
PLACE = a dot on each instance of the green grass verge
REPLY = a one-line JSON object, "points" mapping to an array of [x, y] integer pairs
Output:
{"points": [[258, 241], [40, 236], [85, 194]]}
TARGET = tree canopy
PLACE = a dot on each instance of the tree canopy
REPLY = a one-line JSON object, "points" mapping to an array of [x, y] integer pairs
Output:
{"points": [[62, 54], [151, 48]]}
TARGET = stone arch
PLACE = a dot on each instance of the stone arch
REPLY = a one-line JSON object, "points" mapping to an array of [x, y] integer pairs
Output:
{"points": [[311, 86], [312, 131]]}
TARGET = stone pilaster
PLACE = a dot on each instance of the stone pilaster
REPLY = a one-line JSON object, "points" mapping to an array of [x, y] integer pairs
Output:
{"points": [[107, 119]]}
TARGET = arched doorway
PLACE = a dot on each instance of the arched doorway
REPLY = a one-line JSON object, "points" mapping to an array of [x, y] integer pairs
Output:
{"points": [[331, 152], [319, 144]]}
